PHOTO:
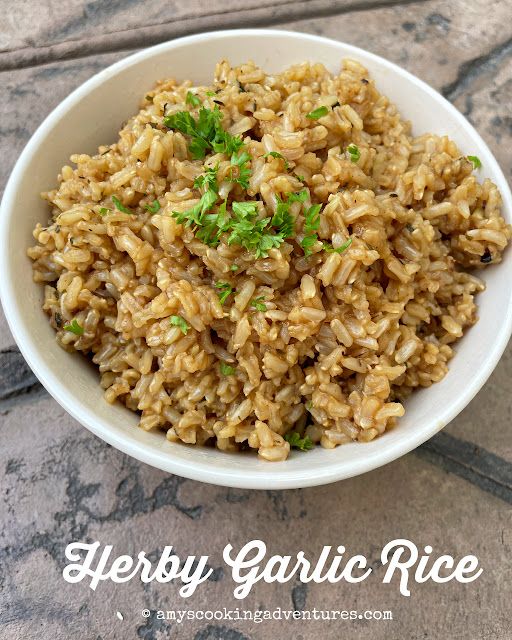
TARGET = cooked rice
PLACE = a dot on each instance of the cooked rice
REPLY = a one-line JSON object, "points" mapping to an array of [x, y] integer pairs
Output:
{"points": [[344, 337]]}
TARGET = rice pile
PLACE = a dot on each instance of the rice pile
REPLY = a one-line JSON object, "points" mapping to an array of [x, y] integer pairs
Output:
{"points": [[317, 339]]}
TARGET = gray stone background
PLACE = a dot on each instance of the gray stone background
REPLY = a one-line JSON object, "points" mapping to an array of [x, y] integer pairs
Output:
{"points": [[60, 483]]}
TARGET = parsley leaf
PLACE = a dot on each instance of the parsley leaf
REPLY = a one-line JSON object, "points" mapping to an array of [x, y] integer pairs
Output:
{"points": [[276, 154], [192, 99], [196, 215], [301, 196], [477, 163], [283, 219], [234, 267], [226, 369], [153, 208], [243, 174], [317, 113], [353, 152], [104, 211], [254, 235], [311, 226], [119, 205], [211, 93], [206, 132], [330, 249], [303, 444], [178, 321], [225, 290], [258, 304], [74, 327]]}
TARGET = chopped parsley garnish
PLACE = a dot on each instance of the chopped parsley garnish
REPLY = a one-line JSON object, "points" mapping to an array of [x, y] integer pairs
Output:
{"points": [[353, 152], [226, 369], [303, 444], [301, 196], [301, 178], [74, 327], [153, 208], [258, 304], [196, 215], [317, 113], [207, 180], [330, 249], [311, 226], [211, 93], [206, 132], [192, 99], [104, 211], [282, 217], [276, 154], [477, 163], [225, 290], [242, 173], [255, 235], [241, 224], [178, 321], [234, 267], [119, 205]]}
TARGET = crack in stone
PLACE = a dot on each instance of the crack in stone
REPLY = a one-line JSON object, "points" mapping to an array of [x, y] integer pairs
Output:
{"points": [[16, 377], [476, 465], [214, 632], [471, 70], [74, 520]]}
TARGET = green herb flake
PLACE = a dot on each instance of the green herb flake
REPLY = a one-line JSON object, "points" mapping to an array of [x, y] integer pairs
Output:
{"points": [[225, 290], [178, 321], [234, 267], [317, 113], [301, 178], [258, 304], [192, 99], [301, 196], [475, 160], [240, 172], [276, 154], [211, 93], [103, 211], [153, 208], [354, 152], [296, 442], [311, 226], [74, 327], [206, 132], [119, 205], [330, 249], [226, 369]]}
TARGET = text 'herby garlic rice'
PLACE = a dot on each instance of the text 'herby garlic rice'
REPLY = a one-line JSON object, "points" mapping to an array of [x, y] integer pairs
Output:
{"points": [[269, 261]]}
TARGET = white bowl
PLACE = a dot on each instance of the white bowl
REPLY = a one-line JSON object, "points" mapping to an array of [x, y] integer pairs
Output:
{"points": [[92, 115]]}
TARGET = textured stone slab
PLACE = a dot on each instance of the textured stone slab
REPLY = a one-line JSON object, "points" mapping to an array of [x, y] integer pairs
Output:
{"points": [[6, 339], [81, 28], [61, 484]]}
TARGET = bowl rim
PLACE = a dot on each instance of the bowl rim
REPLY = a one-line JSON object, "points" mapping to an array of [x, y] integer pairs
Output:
{"points": [[276, 475]]}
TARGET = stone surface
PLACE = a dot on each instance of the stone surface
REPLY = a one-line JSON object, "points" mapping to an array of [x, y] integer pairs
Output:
{"points": [[71, 486], [60, 483]]}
